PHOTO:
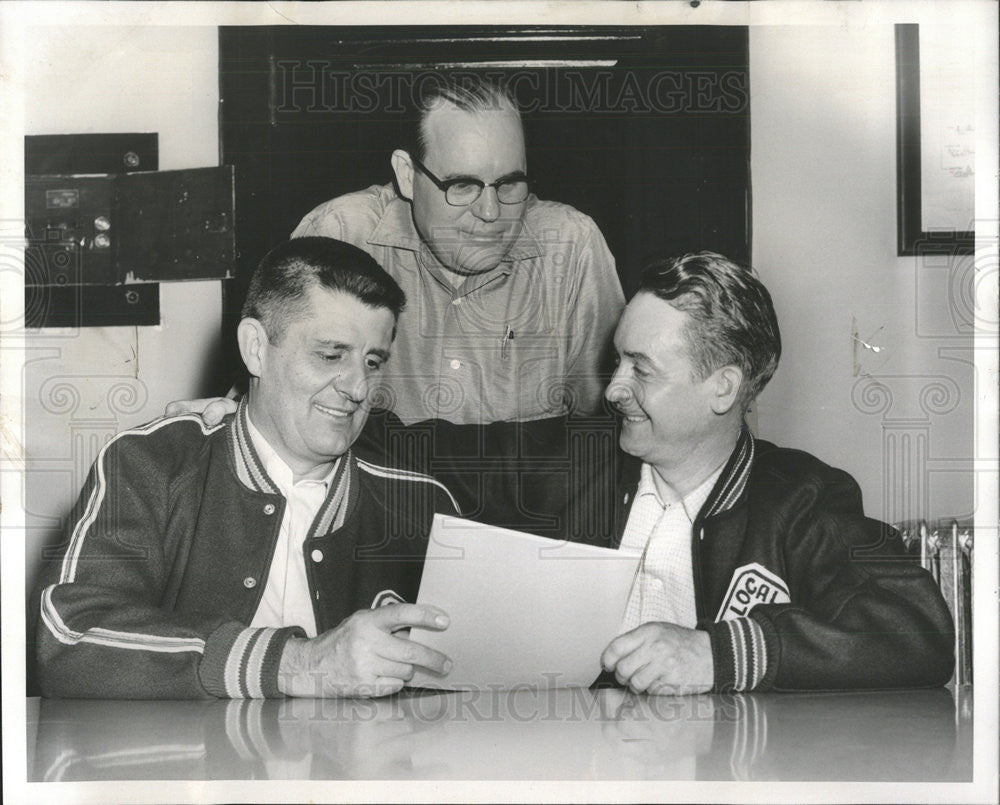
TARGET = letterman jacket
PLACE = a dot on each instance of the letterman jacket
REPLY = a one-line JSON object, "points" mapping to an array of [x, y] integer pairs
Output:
{"points": [[170, 547], [797, 588]]}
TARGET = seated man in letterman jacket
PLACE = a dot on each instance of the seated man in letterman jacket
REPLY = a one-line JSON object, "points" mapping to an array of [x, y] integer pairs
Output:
{"points": [[253, 558], [759, 570]]}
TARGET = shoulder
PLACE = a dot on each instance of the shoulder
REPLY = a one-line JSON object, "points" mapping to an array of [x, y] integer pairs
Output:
{"points": [[161, 448], [546, 214], [789, 473], [350, 216], [559, 231], [166, 436], [408, 484]]}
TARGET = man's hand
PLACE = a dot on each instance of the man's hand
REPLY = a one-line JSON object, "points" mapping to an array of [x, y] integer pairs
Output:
{"points": [[362, 657], [661, 658], [212, 409]]}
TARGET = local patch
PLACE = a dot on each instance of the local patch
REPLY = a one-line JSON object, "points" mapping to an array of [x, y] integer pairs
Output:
{"points": [[752, 584], [386, 597]]}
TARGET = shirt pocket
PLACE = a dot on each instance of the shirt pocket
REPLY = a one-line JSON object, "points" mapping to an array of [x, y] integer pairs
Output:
{"points": [[532, 369]]}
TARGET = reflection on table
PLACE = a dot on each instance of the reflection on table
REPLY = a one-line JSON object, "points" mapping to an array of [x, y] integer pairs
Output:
{"points": [[518, 734]]}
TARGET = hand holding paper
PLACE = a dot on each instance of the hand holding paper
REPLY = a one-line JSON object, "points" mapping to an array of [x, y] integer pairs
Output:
{"points": [[662, 658], [362, 657], [524, 610]]}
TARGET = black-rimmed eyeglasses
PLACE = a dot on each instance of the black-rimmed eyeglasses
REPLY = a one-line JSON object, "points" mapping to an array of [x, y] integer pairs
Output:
{"points": [[463, 191]]}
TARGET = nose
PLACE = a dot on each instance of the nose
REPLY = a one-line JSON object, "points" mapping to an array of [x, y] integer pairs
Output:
{"points": [[353, 381], [487, 206], [618, 390]]}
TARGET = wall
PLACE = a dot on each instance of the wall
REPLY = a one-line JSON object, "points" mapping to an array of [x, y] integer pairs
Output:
{"points": [[824, 240], [81, 385], [823, 171]]}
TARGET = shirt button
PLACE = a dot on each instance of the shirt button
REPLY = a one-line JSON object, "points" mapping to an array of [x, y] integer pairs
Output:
{"points": [[268, 508], [457, 300], [317, 556], [249, 582], [456, 363]]}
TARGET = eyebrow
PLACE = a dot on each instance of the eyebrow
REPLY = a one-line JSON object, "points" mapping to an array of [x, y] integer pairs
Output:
{"points": [[466, 177], [636, 356], [518, 174], [328, 344]]}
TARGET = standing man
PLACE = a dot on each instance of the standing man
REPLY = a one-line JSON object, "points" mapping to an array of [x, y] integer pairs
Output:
{"points": [[512, 300], [759, 569], [257, 557], [511, 305]]}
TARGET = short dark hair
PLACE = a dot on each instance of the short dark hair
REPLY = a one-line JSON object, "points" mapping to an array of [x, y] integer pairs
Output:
{"points": [[732, 319], [282, 278], [469, 92]]}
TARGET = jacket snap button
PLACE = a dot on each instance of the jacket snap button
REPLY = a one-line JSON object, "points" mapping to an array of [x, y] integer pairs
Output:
{"points": [[268, 508], [317, 556], [249, 582]]}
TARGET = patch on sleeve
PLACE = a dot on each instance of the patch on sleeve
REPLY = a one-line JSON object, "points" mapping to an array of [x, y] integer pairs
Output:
{"points": [[751, 585], [385, 598]]}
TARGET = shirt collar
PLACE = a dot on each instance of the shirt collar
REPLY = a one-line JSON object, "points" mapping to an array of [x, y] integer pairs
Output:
{"points": [[246, 450], [692, 501], [395, 229], [277, 468]]}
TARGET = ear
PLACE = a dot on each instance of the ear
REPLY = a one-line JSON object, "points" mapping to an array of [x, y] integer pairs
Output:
{"points": [[726, 384], [252, 338], [402, 166]]}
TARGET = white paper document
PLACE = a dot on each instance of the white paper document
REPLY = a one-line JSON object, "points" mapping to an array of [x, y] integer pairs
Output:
{"points": [[524, 610]]}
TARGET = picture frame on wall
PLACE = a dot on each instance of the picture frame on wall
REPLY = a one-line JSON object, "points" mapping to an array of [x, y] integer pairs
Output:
{"points": [[935, 153]]}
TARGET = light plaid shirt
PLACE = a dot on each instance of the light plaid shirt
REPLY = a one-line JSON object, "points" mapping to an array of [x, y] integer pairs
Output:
{"points": [[663, 589], [522, 341]]}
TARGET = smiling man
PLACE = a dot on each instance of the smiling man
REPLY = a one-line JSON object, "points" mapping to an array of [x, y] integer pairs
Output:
{"points": [[759, 570], [512, 299], [257, 557]]}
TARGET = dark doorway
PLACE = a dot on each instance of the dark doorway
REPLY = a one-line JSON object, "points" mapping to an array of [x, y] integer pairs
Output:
{"points": [[644, 129]]}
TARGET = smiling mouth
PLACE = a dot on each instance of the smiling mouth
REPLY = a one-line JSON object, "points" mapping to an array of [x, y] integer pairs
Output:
{"points": [[485, 235], [633, 417], [334, 413]]}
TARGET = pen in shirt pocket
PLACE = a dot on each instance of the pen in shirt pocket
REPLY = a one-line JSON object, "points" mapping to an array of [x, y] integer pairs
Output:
{"points": [[508, 336]]}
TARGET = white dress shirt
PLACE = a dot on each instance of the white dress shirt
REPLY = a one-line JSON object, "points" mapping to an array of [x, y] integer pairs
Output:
{"points": [[660, 529], [286, 599]]}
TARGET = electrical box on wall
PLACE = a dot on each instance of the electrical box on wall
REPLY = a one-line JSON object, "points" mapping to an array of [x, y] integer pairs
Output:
{"points": [[101, 230], [127, 228], [176, 224], [50, 154]]}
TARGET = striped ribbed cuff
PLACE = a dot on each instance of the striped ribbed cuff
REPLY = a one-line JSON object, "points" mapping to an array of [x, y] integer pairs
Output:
{"points": [[739, 653], [254, 730], [242, 663]]}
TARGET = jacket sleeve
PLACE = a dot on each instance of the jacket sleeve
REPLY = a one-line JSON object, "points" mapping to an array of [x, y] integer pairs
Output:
{"points": [[862, 614], [106, 629]]}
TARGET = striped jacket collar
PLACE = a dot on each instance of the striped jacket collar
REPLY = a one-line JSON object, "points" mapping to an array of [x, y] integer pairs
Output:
{"points": [[733, 480], [249, 466], [251, 472]]}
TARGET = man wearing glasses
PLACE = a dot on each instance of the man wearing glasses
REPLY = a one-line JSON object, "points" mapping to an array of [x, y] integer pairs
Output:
{"points": [[512, 300]]}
